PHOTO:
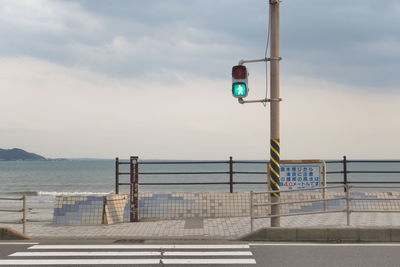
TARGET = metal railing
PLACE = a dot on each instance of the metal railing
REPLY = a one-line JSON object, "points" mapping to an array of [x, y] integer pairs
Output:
{"points": [[23, 210], [348, 207], [343, 168]]}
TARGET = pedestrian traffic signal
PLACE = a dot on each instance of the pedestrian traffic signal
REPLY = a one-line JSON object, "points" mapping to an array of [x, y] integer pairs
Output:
{"points": [[239, 81]]}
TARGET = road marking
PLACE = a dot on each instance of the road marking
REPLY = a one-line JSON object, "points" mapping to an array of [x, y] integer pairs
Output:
{"points": [[85, 253], [327, 245], [140, 246], [17, 243], [211, 254], [137, 253], [208, 261], [207, 253], [79, 261]]}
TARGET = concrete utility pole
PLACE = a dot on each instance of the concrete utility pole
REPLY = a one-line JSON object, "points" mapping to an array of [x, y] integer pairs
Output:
{"points": [[274, 172], [239, 90]]}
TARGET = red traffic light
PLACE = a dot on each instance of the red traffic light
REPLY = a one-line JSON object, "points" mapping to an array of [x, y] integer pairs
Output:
{"points": [[239, 72]]}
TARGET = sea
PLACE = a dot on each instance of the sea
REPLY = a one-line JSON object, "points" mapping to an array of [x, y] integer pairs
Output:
{"points": [[42, 181]]}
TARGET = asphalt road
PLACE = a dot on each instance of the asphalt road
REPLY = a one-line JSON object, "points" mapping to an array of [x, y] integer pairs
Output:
{"points": [[108, 253]]}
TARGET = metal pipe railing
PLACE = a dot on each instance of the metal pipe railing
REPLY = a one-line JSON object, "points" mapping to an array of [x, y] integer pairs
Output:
{"points": [[23, 210], [347, 197], [232, 172], [297, 214], [297, 202]]}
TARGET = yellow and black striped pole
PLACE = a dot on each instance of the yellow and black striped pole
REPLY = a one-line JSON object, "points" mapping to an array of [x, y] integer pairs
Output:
{"points": [[275, 100], [274, 166]]}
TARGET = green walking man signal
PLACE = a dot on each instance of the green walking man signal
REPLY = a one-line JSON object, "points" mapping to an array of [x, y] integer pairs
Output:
{"points": [[239, 81]]}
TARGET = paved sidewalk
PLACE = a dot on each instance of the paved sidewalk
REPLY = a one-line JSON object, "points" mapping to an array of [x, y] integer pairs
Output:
{"points": [[222, 228]]}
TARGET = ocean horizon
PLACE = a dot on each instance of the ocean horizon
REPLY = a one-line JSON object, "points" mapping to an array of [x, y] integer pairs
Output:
{"points": [[97, 176]]}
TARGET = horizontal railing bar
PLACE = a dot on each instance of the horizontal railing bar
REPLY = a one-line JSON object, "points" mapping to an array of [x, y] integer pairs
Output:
{"points": [[377, 211], [337, 182], [178, 173], [199, 183], [249, 162], [373, 182], [300, 201], [298, 214], [372, 186], [374, 199], [14, 222], [334, 172], [250, 183], [254, 162], [372, 161], [11, 210], [304, 189], [250, 172], [183, 183], [30, 220], [182, 162], [334, 161], [364, 182], [373, 172], [6, 198]]}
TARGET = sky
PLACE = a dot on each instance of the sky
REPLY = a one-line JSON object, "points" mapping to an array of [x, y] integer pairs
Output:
{"points": [[105, 79]]}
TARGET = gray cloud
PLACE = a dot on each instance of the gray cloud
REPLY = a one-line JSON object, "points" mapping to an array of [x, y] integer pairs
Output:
{"points": [[354, 42], [351, 42]]}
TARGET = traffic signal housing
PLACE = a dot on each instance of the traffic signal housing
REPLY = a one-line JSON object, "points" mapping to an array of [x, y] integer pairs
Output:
{"points": [[239, 81]]}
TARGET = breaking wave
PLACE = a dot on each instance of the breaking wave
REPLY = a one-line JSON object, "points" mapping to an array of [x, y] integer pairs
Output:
{"points": [[54, 193]]}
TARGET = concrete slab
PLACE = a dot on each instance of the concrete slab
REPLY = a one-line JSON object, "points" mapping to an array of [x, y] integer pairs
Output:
{"points": [[375, 234], [344, 234], [281, 234], [194, 223], [312, 234], [395, 234]]}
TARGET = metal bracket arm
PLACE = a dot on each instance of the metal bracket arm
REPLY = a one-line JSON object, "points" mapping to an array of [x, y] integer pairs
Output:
{"points": [[243, 61], [265, 100]]}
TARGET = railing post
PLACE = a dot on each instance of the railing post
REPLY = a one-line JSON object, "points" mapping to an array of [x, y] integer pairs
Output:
{"points": [[324, 184], [116, 176], [134, 188], [230, 175], [348, 199], [251, 211], [24, 214], [345, 172]]}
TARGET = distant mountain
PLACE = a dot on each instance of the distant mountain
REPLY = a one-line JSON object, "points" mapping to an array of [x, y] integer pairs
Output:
{"points": [[18, 154]]}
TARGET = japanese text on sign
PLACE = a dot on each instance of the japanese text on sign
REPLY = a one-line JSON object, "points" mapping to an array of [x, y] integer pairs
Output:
{"points": [[300, 176]]}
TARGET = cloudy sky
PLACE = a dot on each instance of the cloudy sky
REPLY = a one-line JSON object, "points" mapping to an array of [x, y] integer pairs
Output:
{"points": [[152, 78]]}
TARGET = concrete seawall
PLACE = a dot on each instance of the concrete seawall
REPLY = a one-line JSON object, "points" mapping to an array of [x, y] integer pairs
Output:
{"points": [[325, 234]]}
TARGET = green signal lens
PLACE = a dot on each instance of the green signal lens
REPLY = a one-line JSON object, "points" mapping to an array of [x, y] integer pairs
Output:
{"points": [[239, 90]]}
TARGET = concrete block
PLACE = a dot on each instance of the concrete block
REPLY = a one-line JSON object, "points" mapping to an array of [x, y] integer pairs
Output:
{"points": [[281, 234], [343, 234], [312, 234], [258, 235], [395, 234], [375, 234]]}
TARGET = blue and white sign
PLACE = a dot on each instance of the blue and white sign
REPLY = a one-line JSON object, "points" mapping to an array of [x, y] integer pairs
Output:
{"points": [[301, 176]]}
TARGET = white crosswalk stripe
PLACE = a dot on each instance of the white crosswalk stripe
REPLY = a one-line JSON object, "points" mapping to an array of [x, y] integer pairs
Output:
{"points": [[85, 253], [203, 246], [167, 254]]}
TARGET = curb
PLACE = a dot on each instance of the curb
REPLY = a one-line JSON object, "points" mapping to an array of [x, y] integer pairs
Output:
{"points": [[7, 233], [324, 234]]}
